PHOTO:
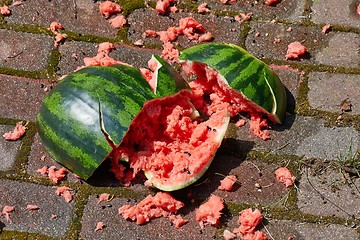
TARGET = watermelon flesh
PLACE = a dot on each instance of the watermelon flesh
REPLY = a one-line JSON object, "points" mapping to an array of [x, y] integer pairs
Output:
{"points": [[170, 143], [211, 91]]}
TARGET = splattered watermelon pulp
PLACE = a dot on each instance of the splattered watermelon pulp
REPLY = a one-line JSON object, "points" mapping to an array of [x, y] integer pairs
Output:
{"points": [[170, 143]]}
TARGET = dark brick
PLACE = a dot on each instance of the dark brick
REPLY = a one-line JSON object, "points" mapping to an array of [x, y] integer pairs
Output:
{"points": [[20, 194], [342, 50], [324, 193], [264, 45], [340, 12], [119, 228], [21, 98], [82, 16], [284, 138], [31, 53], [248, 174], [8, 149], [73, 53], [39, 158], [284, 10], [220, 27], [325, 231], [329, 143], [283, 229], [303, 137], [339, 87]]}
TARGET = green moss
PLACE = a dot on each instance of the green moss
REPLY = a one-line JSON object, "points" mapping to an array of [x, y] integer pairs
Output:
{"points": [[24, 151], [122, 35], [11, 235], [130, 6], [72, 36]]}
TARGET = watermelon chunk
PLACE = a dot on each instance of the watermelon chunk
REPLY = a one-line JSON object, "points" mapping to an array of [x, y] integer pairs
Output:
{"points": [[227, 73]]}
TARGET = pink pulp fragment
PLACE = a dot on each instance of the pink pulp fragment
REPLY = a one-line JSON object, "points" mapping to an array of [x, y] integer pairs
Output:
{"points": [[104, 197], [284, 176], [295, 50], [160, 205], [109, 8], [4, 10], [99, 226], [17, 133], [227, 183], [209, 213]]}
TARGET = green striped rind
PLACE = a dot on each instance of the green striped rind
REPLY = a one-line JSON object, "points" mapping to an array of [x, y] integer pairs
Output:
{"points": [[70, 119], [169, 81], [245, 73]]}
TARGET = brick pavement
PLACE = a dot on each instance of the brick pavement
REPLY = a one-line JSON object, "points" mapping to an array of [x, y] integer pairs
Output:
{"points": [[313, 143]]}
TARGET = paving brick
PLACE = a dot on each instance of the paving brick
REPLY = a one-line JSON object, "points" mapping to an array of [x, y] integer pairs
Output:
{"points": [[340, 12], [135, 56], [283, 229], [328, 143], [8, 149], [220, 27], [119, 228], [275, 229], [39, 158], [265, 45], [301, 136], [342, 50], [309, 231], [31, 53], [249, 173], [20, 97], [284, 138], [325, 194], [82, 16], [284, 10], [339, 87], [20, 194]]}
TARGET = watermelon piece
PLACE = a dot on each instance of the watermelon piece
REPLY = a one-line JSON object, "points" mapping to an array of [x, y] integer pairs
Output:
{"points": [[226, 72], [111, 112], [88, 113]]}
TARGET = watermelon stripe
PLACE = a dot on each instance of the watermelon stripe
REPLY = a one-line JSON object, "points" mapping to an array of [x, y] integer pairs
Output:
{"points": [[117, 115], [65, 150], [93, 140]]}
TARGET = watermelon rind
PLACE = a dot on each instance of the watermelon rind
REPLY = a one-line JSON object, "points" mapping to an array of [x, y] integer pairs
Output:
{"points": [[82, 107], [168, 80], [245, 73]]}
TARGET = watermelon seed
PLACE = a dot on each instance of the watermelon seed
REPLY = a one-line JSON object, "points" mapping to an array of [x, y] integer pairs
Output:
{"points": [[186, 152], [208, 128]]}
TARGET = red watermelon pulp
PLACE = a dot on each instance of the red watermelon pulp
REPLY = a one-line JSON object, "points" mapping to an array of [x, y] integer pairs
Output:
{"points": [[170, 142]]}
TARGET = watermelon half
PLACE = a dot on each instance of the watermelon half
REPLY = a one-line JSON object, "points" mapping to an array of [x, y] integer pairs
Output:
{"points": [[227, 73], [111, 112]]}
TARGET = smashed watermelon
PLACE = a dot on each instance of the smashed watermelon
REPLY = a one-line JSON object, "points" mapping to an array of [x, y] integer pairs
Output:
{"points": [[158, 123]]}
